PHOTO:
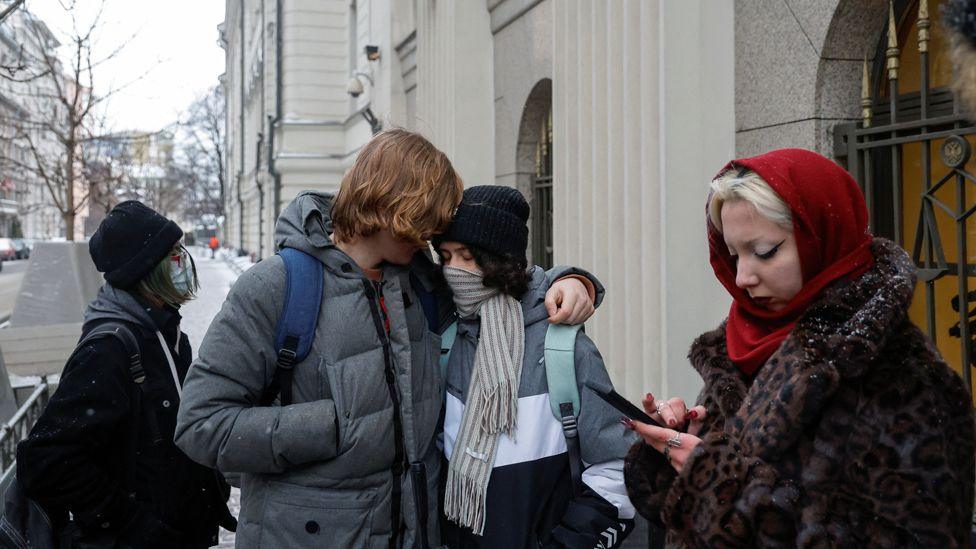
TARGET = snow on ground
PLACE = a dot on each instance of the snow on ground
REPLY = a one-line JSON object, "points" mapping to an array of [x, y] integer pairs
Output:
{"points": [[216, 278]]}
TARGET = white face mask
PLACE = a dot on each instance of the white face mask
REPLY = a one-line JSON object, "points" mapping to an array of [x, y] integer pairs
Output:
{"points": [[181, 273]]}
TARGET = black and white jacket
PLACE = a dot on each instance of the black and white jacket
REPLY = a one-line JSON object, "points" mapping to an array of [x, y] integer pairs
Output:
{"points": [[530, 501]]}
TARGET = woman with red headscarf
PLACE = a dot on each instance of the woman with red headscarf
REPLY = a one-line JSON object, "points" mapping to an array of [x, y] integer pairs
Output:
{"points": [[827, 418]]}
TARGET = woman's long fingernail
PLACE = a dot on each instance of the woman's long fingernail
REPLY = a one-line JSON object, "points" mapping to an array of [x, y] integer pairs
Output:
{"points": [[626, 422], [672, 422], [649, 396], [693, 414]]}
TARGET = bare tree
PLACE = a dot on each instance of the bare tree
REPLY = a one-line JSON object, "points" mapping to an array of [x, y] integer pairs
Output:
{"points": [[10, 9], [201, 154], [61, 121], [107, 171]]}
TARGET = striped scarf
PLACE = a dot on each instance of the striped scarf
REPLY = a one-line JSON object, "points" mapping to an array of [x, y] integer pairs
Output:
{"points": [[492, 399]]}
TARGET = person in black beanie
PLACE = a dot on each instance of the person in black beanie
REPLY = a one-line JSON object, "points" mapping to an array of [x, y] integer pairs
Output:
{"points": [[103, 448], [492, 221], [497, 400]]}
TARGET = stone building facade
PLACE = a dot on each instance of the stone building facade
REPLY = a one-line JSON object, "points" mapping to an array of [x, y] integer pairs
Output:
{"points": [[26, 207], [612, 116], [612, 131], [798, 69]]}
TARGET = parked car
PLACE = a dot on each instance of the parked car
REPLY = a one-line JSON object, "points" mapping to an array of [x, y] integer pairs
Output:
{"points": [[7, 249], [22, 248]]}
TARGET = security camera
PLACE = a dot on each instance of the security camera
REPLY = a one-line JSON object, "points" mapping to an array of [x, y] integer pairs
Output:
{"points": [[354, 87]]}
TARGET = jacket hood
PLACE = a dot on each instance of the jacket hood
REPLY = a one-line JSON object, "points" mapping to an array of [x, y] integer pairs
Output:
{"points": [[112, 303], [306, 224]]}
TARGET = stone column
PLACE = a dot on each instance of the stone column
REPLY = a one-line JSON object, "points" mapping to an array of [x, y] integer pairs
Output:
{"points": [[643, 117], [455, 103]]}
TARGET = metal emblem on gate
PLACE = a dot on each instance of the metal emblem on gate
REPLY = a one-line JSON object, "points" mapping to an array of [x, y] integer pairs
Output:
{"points": [[955, 152]]}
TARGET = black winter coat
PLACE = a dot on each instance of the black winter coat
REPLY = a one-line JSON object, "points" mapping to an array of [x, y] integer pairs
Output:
{"points": [[93, 453]]}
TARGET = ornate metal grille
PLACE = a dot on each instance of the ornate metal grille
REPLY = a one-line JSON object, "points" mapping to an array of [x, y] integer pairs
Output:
{"points": [[542, 197], [914, 198]]}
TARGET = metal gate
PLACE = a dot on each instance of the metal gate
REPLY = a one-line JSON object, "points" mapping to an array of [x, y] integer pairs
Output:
{"points": [[910, 155]]}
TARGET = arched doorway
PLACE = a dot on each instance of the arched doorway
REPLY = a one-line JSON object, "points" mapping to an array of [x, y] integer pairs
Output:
{"points": [[910, 153], [534, 169]]}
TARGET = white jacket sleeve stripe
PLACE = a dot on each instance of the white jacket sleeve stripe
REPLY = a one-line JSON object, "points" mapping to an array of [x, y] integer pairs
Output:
{"points": [[607, 480]]}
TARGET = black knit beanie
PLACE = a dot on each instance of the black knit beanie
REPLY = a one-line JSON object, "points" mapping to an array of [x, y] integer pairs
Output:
{"points": [[493, 218], [130, 242]]}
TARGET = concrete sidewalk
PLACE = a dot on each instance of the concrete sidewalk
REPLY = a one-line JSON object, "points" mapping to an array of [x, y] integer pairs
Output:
{"points": [[216, 278]]}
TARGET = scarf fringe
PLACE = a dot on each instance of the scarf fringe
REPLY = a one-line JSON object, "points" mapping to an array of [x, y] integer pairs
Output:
{"points": [[465, 501], [500, 408]]}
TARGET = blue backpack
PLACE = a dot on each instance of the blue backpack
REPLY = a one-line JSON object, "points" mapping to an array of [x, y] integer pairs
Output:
{"points": [[304, 278]]}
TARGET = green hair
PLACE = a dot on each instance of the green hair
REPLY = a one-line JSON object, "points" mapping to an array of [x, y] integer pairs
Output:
{"points": [[159, 283]]}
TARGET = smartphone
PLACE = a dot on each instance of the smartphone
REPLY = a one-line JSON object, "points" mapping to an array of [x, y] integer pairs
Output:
{"points": [[622, 405]]}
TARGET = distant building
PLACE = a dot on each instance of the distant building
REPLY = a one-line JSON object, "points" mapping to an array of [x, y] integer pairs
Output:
{"points": [[133, 165], [26, 206]]}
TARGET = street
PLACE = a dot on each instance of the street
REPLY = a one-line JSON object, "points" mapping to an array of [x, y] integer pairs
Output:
{"points": [[10, 278]]}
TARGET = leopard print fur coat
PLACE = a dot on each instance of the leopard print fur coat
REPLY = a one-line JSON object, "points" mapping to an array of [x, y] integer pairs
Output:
{"points": [[855, 433]]}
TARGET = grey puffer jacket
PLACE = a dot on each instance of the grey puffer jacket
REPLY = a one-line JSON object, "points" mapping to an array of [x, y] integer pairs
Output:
{"points": [[318, 472], [321, 472]]}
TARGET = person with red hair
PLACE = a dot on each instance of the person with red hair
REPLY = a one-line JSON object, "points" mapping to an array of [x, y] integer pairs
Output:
{"points": [[827, 417]]}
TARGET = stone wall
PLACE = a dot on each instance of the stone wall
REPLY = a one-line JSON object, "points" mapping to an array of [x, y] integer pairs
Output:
{"points": [[642, 117], [798, 69]]}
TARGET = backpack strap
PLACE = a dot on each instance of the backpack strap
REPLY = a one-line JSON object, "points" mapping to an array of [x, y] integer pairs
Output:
{"points": [[123, 333], [564, 395], [304, 281], [447, 343]]}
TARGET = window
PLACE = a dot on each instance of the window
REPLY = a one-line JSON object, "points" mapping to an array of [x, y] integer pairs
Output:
{"points": [[542, 197]]}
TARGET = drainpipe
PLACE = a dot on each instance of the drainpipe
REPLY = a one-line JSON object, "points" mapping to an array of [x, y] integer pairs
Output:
{"points": [[240, 176], [260, 185], [273, 122]]}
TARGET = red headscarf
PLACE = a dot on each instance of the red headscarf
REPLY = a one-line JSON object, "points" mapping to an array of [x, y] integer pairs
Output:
{"points": [[830, 224]]}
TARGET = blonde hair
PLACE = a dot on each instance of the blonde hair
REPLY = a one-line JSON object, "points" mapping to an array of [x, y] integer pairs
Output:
{"points": [[401, 181], [748, 186]]}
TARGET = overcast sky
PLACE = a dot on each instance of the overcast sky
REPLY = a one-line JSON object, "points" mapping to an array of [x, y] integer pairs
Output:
{"points": [[175, 41]]}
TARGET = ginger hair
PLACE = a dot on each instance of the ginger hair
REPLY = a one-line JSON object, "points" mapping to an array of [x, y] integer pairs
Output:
{"points": [[401, 181]]}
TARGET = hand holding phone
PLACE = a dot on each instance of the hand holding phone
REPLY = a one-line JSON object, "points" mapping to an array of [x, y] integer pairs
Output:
{"points": [[622, 405]]}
